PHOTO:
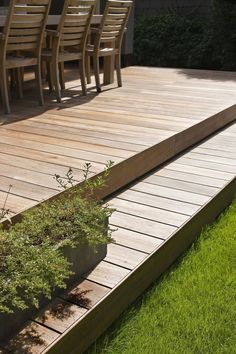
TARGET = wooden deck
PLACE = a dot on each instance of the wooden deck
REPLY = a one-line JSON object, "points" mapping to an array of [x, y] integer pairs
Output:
{"points": [[157, 114], [157, 218]]}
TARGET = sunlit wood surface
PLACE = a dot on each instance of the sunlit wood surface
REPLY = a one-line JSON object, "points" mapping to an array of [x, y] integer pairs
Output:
{"points": [[157, 218], [157, 114]]}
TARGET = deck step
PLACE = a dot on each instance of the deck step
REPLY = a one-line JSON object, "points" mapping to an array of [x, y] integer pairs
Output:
{"points": [[157, 219]]}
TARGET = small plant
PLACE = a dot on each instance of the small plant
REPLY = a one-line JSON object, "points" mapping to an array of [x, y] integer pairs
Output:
{"points": [[89, 185], [31, 260], [4, 212], [66, 182]]}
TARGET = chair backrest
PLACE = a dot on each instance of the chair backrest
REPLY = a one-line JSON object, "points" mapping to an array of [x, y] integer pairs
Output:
{"points": [[75, 23], [115, 18], [25, 25]]}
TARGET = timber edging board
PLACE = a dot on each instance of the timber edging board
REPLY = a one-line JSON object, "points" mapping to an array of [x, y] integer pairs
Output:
{"points": [[98, 319], [138, 165]]}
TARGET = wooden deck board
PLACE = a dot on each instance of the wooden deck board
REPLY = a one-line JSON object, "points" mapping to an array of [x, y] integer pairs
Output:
{"points": [[168, 204], [86, 294], [60, 315], [32, 339], [158, 216], [182, 185], [135, 240], [148, 211]]}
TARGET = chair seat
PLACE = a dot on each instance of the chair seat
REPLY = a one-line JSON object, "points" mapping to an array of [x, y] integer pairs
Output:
{"points": [[47, 55], [20, 61], [102, 52]]}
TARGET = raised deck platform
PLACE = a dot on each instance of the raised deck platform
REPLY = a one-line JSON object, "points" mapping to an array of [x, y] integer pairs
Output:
{"points": [[155, 115], [158, 113]]}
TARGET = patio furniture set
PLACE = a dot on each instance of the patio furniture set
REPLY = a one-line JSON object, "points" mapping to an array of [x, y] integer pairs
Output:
{"points": [[27, 40]]}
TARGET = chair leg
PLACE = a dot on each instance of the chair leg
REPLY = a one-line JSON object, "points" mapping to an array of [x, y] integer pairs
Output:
{"points": [[49, 77], [55, 74], [61, 75], [19, 80], [97, 72], [12, 82], [82, 76], [4, 90], [39, 84], [44, 70], [118, 69], [88, 68]]}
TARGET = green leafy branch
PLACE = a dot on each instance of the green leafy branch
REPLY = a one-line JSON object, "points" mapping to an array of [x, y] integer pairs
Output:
{"points": [[4, 212]]}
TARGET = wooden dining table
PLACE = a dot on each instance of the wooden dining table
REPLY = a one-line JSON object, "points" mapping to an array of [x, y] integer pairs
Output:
{"points": [[53, 20], [108, 67]]}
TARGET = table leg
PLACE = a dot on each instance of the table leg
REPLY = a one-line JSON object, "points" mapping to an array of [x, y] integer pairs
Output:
{"points": [[109, 66]]}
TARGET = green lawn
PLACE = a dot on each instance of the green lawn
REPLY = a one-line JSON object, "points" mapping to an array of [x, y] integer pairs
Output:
{"points": [[192, 308]]}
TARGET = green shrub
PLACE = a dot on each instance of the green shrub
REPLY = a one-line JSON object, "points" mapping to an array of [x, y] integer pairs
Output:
{"points": [[31, 259], [224, 33], [174, 40], [166, 40]]}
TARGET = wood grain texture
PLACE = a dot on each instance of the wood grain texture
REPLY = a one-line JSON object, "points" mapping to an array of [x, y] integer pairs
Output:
{"points": [[60, 315], [135, 240], [135, 259], [127, 291], [86, 294], [54, 20], [155, 115], [158, 216], [32, 339]]}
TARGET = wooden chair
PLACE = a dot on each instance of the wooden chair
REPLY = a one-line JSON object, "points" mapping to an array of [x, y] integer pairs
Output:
{"points": [[108, 38], [68, 42], [21, 42]]}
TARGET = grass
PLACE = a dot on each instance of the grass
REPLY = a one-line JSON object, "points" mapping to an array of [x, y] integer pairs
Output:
{"points": [[191, 309]]}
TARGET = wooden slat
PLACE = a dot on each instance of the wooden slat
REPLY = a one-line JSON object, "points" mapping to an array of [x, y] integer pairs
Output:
{"points": [[211, 165], [171, 193], [212, 154], [33, 339], [151, 228], [27, 175], [25, 190], [189, 177], [60, 315], [86, 294], [135, 240], [124, 257], [36, 163], [199, 171], [29, 9], [107, 274], [159, 202], [63, 140], [182, 185], [15, 203], [149, 212], [55, 149]]}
